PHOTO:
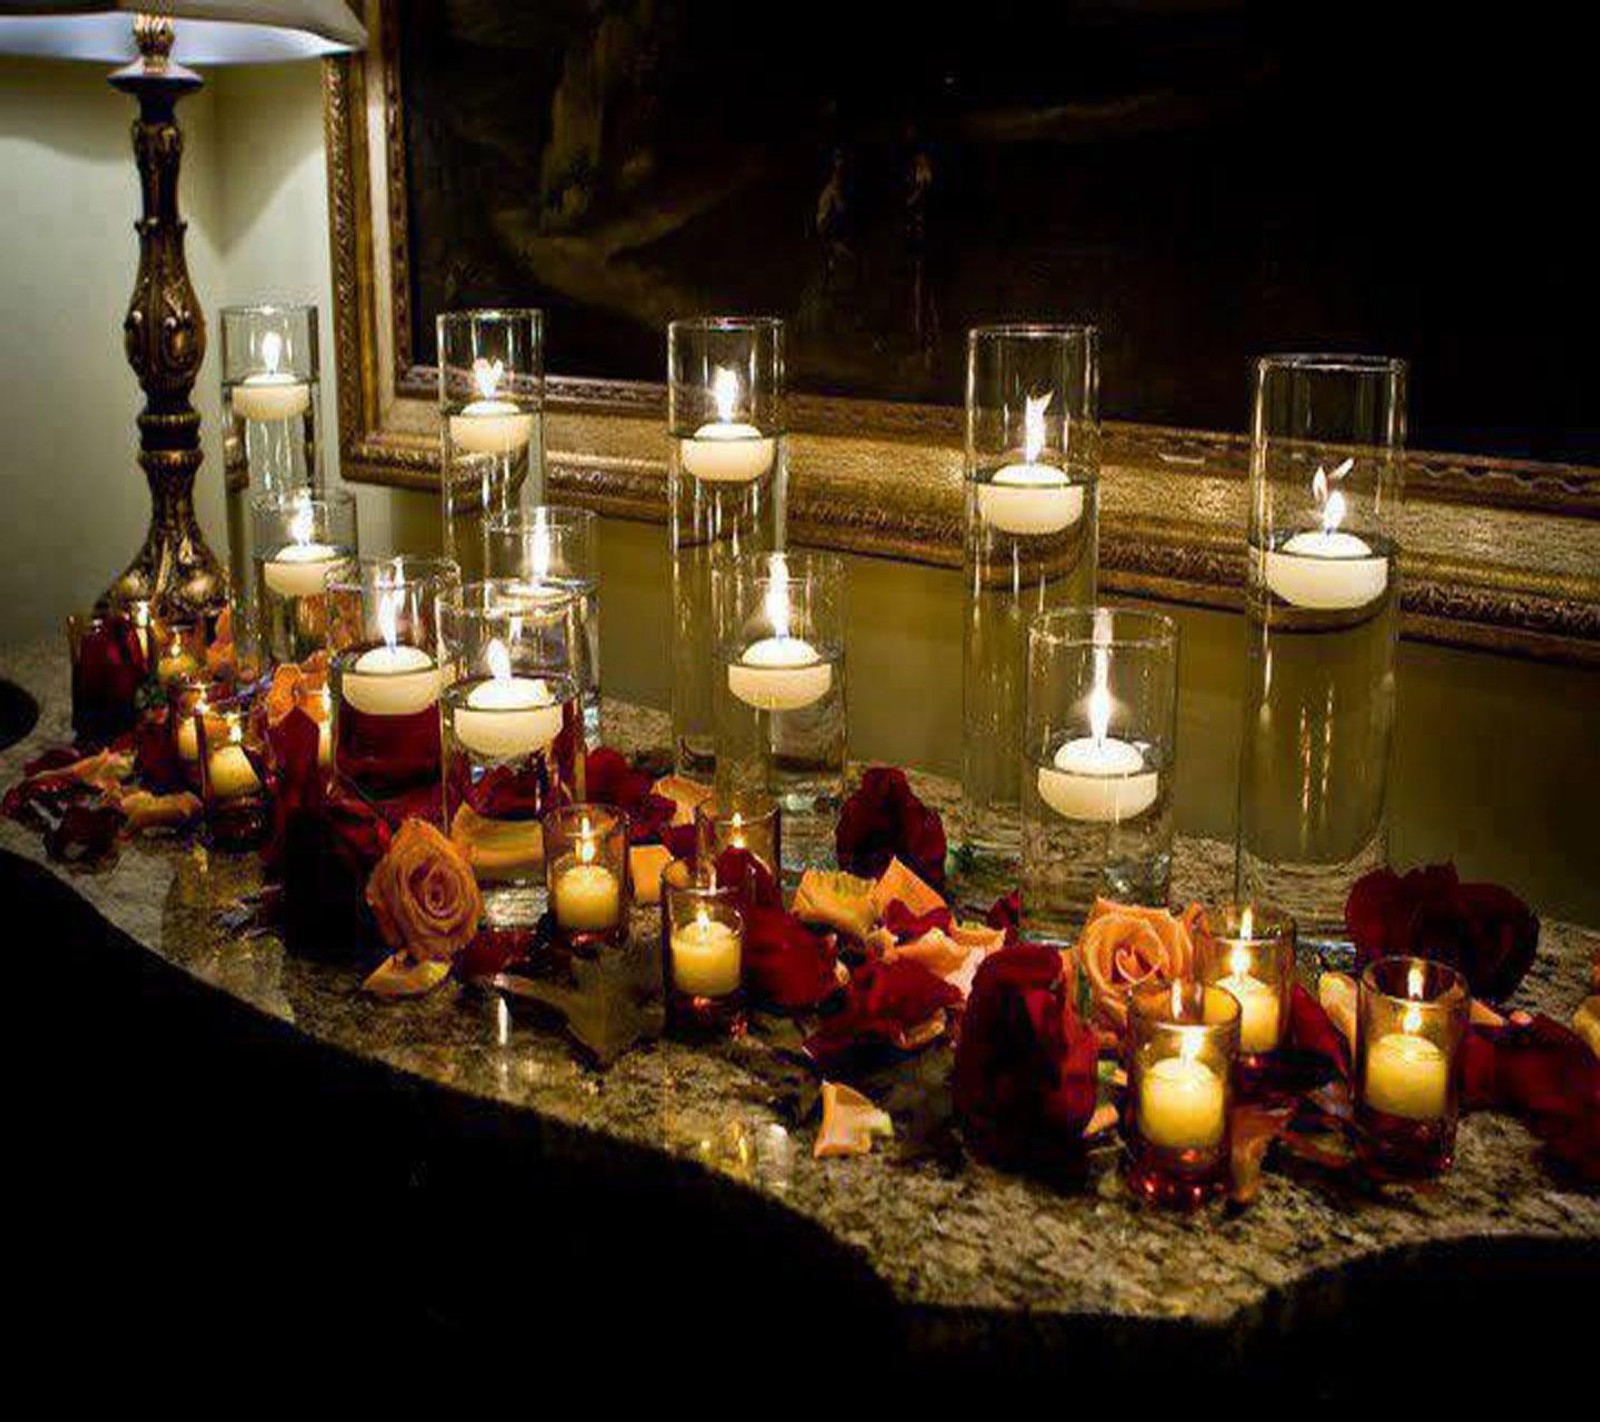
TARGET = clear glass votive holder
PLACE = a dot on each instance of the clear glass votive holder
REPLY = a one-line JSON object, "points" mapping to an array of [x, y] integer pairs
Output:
{"points": [[1031, 543], [491, 423], [726, 482], [232, 763], [383, 637], [703, 959], [180, 651], [1411, 1031], [781, 716], [513, 734], [1100, 746], [740, 819], [586, 868], [298, 540], [1323, 614], [1183, 1039], [1247, 950], [553, 545], [190, 698]]}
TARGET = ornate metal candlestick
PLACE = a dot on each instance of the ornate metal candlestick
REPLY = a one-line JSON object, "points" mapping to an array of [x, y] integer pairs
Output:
{"points": [[165, 335]]}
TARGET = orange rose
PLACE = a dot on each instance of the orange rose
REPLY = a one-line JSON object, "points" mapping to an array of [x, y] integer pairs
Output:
{"points": [[1125, 946], [423, 894]]}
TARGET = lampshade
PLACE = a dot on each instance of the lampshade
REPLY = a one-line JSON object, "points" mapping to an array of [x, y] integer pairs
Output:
{"points": [[208, 32]]}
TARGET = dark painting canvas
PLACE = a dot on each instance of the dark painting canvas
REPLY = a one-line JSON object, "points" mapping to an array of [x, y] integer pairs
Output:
{"points": [[1206, 181]]}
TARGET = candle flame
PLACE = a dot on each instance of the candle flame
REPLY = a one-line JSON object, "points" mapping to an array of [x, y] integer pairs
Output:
{"points": [[389, 617], [777, 599], [725, 391], [499, 659], [736, 837], [1411, 1018], [300, 525], [701, 918], [1247, 922], [585, 842], [235, 730], [1329, 500], [487, 375], [1033, 435], [1100, 696], [271, 351], [541, 554]]}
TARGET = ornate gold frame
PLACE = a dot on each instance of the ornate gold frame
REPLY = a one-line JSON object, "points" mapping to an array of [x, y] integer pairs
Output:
{"points": [[1499, 553]]}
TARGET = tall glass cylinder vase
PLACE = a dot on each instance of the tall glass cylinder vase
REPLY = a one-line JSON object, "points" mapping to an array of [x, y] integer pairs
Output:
{"points": [[271, 442], [1100, 748], [781, 723], [1032, 532], [556, 546], [491, 424], [727, 476], [1323, 604]]}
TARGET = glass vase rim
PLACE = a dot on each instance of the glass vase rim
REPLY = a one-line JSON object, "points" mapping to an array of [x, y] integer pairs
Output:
{"points": [[723, 323], [1031, 330], [270, 308], [605, 820], [284, 502], [540, 515], [724, 895], [491, 313], [1358, 362], [1068, 626], [1269, 921], [457, 599], [1449, 984], [758, 566], [413, 570]]}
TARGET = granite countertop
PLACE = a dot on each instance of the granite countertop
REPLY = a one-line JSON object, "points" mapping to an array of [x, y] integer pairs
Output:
{"points": [[952, 1247]]}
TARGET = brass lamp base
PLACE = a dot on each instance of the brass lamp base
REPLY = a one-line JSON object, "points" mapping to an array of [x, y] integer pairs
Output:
{"points": [[165, 336]]}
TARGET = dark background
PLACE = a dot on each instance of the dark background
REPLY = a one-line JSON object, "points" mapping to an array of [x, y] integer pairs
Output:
{"points": [[1207, 181]]}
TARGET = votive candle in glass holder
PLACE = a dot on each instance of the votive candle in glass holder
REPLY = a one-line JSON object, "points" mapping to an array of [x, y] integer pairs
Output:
{"points": [[1248, 951], [298, 540], [491, 423], [781, 719], [383, 633], [553, 546], [726, 480], [1031, 543], [703, 958], [586, 872], [1323, 613], [187, 700], [1411, 1030], [1183, 1039], [179, 654], [513, 734], [740, 819], [233, 775], [1100, 745]]}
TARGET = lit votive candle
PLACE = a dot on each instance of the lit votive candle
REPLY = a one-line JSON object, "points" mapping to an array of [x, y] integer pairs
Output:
{"points": [[1327, 569], [271, 394], [229, 773], [1408, 1076], [176, 663], [1181, 1104], [391, 681], [706, 957], [506, 715], [588, 898], [727, 451], [1249, 954], [490, 424], [1031, 499]]}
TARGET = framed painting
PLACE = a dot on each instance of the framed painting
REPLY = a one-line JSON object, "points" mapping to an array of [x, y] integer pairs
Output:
{"points": [[892, 183]]}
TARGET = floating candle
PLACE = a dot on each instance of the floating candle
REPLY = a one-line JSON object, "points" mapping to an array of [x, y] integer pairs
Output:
{"points": [[727, 451], [271, 394], [1097, 777], [1327, 570], [507, 715], [1181, 1101], [706, 957], [391, 680], [490, 425], [1031, 499], [300, 568], [780, 672]]}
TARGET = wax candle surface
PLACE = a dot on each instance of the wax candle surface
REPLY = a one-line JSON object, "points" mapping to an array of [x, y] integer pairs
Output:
{"points": [[230, 774], [1030, 500], [1099, 779], [588, 898], [780, 674], [1407, 1076], [508, 716], [392, 681], [271, 395], [706, 958], [1258, 1011], [1181, 1104], [727, 453], [299, 569], [491, 427], [1326, 571], [188, 739]]}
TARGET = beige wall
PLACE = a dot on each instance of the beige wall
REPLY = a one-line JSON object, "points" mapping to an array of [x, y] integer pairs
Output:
{"points": [[1496, 762]]}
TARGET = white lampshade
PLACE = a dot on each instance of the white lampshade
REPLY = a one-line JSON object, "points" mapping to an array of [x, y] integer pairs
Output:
{"points": [[207, 32]]}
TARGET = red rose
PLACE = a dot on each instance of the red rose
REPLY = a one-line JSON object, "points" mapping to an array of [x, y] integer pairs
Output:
{"points": [[751, 880], [887, 1004], [107, 671], [786, 965], [1024, 1080], [1482, 929], [884, 820]]}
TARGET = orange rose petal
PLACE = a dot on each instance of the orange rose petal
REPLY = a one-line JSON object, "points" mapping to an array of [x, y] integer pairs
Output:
{"points": [[943, 956], [497, 849], [836, 899], [402, 976], [918, 1037], [149, 811], [685, 794], [645, 863], [899, 882], [850, 1122], [1337, 994], [1586, 1023], [1103, 1119]]}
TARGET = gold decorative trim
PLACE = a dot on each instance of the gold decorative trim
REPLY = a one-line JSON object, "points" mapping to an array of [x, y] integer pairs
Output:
{"points": [[1501, 554]]}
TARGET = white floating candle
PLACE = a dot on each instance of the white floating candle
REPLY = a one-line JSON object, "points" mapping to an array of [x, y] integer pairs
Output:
{"points": [[299, 569], [706, 958], [1099, 778], [392, 681], [507, 715], [1181, 1104], [489, 425], [1327, 570], [727, 451], [271, 394], [780, 674], [1031, 499]]}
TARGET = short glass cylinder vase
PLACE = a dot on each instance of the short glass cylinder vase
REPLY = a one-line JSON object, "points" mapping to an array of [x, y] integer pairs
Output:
{"points": [[1183, 1039], [781, 715], [1247, 950], [586, 873], [726, 489], [491, 424], [383, 636], [702, 960], [1323, 613], [1099, 754], [1411, 1031], [298, 539], [1031, 544], [271, 439], [232, 761], [512, 735], [556, 546], [740, 819]]}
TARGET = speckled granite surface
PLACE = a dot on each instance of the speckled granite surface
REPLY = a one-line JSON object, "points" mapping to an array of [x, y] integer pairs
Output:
{"points": [[963, 1250]]}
